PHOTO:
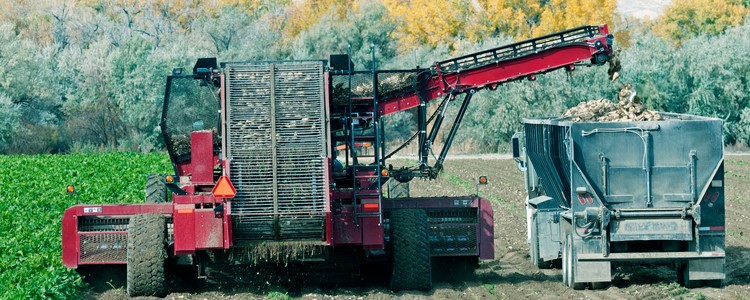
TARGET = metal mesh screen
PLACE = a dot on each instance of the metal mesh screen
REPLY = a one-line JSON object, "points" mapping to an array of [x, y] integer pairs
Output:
{"points": [[389, 83], [106, 247], [277, 147]]}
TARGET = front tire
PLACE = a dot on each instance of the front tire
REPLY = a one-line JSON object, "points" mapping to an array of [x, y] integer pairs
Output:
{"points": [[146, 255], [412, 269], [156, 188]]}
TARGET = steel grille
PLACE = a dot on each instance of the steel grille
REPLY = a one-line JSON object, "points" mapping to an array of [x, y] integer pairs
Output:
{"points": [[453, 232], [104, 247], [277, 147], [451, 240]]}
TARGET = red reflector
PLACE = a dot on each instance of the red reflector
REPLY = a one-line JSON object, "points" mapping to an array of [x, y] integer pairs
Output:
{"points": [[370, 206], [715, 196], [716, 228], [580, 199], [224, 188], [589, 199]]}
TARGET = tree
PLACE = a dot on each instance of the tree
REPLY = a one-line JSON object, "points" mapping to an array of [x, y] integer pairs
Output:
{"points": [[563, 14], [684, 19], [9, 117], [363, 26]]}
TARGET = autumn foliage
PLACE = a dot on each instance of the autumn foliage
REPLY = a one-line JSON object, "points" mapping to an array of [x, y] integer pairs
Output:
{"points": [[684, 19]]}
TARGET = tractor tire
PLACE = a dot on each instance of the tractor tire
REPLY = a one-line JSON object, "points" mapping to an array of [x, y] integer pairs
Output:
{"points": [[156, 188], [146, 255], [412, 266]]}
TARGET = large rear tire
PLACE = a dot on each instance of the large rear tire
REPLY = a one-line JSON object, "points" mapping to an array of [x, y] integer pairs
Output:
{"points": [[146, 255], [156, 188], [412, 269]]}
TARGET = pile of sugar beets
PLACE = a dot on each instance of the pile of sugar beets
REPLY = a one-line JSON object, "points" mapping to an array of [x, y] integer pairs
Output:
{"points": [[627, 108]]}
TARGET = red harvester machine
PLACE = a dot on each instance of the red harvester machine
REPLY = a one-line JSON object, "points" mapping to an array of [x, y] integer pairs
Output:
{"points": [[285, 161]]}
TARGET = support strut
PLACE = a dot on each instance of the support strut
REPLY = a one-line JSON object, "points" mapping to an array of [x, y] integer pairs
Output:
{"points": [[422, 128], [454, 130], [439, 121]]}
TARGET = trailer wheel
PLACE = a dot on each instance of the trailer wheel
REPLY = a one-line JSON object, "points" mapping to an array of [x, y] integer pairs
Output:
{"points": [[599, 285], [412, 269], [156, 188], [683, 275], [146, 255], [715, 283], [569, 272]]}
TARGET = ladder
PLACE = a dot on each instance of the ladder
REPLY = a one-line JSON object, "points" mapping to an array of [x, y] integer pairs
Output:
{"points": [[366, 177]]}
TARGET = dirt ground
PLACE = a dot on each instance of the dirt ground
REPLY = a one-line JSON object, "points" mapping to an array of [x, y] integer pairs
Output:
{"points": [[511, 275]]}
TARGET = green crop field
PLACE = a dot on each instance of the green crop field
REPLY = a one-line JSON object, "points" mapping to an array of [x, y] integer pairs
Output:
{"points": [[32, 201]]}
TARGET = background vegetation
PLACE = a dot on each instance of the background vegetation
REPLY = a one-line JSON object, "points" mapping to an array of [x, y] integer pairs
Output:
{"points": [[88, 75]]}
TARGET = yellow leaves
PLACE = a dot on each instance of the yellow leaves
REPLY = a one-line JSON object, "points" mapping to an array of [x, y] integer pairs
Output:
{"points": [[558, 15], [302, 14], [424, 22], [686, 18]]}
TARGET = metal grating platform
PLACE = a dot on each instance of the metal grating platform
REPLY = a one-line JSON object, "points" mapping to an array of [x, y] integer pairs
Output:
{"points": [[104, 247], [276, 140]]}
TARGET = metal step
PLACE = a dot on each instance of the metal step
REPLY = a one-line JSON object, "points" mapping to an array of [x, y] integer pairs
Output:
{"points": [[366, 116], [373, 194], [366, 176]]}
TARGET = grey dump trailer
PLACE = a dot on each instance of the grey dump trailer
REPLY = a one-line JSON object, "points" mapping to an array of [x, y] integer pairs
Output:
{"points": [[603, 193]]}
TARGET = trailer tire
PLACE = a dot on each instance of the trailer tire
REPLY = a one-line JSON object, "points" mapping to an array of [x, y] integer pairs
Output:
{"points": [[412, 268], [715, 283], [156, 188], [146, 255], [565, 263], [569, 272], [599, 285]]}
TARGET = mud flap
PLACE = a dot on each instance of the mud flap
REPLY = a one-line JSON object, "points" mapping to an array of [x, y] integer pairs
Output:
{"points": [[706, 269], [593, 271]]}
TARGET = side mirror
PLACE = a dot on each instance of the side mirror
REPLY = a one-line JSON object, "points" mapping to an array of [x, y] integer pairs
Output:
{"points": [[516, 146]]}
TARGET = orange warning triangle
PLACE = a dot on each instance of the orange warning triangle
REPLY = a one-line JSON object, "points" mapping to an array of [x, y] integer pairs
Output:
{"points": [[224, 188]]}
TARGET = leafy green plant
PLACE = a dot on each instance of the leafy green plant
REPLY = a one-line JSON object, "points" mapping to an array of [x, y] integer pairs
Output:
{"points": [[32, 201], [490, 288], [675, 289], [278, 296]]}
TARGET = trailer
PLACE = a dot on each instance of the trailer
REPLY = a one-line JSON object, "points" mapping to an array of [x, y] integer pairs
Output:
{"points": [[607, 193], [283, 161]]}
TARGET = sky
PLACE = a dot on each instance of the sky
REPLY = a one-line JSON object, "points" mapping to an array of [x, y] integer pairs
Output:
{"points": [[642, 8]]}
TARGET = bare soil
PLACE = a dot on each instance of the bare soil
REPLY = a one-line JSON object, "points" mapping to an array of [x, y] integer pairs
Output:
{"points": [[511, 275]]}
